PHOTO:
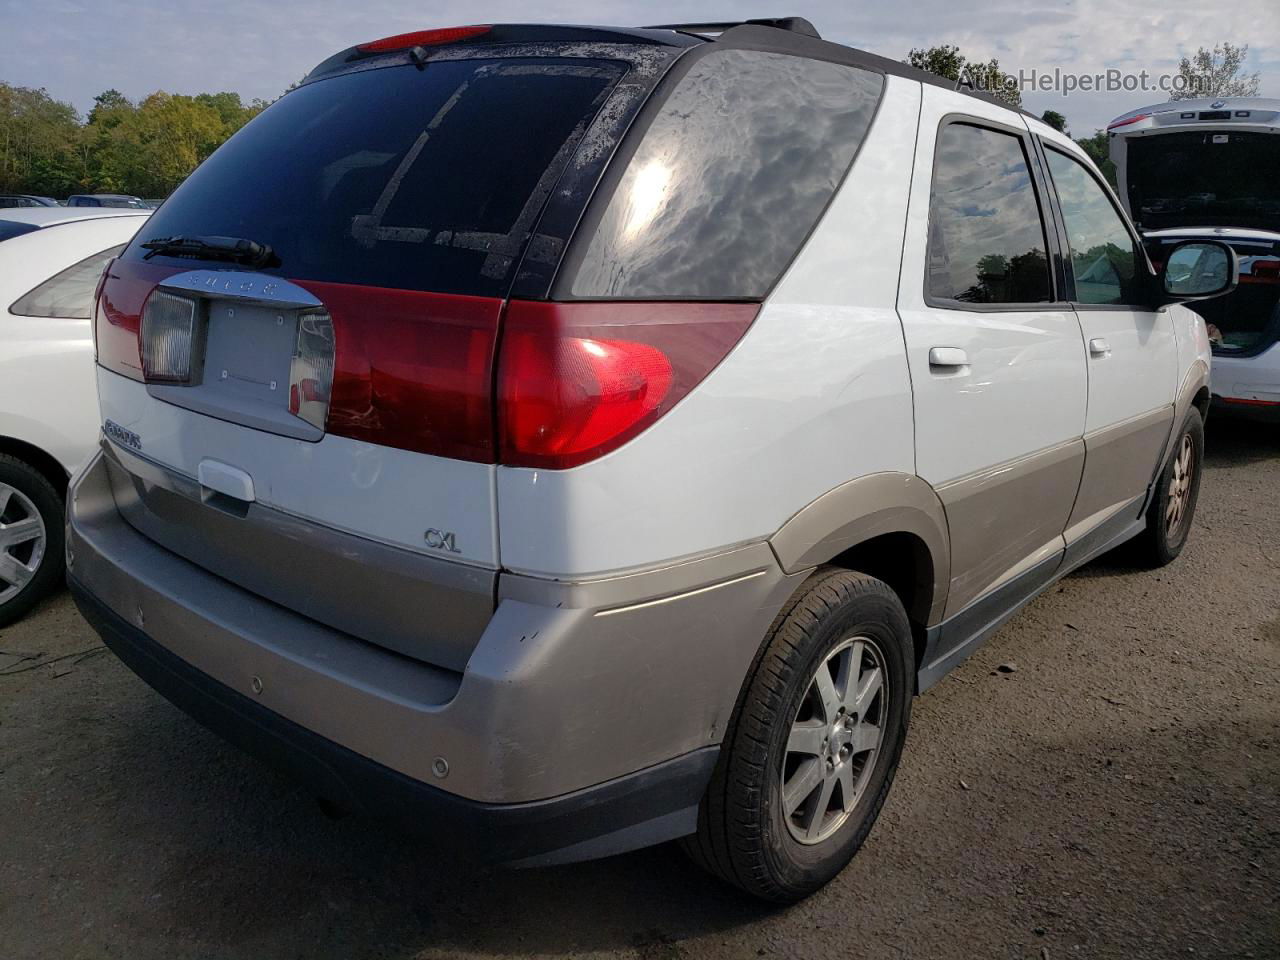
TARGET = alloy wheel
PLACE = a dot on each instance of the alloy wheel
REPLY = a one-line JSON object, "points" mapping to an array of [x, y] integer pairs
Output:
{"points": [[835, 738], [22, 541], [1180, 486]]}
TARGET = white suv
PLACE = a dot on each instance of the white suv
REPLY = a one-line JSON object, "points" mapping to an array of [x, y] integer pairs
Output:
{"points": [[570, 439]]}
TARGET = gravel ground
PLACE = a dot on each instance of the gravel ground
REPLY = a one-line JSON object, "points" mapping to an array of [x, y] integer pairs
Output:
{"points": [[1116, 795]]}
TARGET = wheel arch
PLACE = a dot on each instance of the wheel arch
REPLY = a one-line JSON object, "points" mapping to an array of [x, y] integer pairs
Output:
{"points": [[888, 525], [43, 462], [1192, 392]]}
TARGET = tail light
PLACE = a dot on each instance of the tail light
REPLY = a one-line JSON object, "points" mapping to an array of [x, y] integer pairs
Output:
{"points": [[124, 290], [412, 370], [1128, 120], [578, 380], [311, 369], [416, 370], [167, 334], [1264, 271]]}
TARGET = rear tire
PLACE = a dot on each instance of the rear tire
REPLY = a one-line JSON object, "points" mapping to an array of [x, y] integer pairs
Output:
{"points": [[31, 538], [807, 762], [1173, 506]]}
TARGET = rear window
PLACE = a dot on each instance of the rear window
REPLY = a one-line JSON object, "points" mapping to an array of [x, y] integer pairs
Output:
{"points": [[12, 228], [68, 294], [728, 180], [398, 177]]}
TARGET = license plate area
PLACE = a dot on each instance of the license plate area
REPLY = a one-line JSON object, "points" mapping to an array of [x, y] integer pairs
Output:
{"points": [[247, 337]]}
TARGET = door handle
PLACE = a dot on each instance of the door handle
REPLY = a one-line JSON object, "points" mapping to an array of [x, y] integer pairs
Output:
{"points": [[948, 358], [1099, 347]]}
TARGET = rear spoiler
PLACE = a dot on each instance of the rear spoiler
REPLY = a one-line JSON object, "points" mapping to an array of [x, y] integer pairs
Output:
{"points": [[792, 24]]}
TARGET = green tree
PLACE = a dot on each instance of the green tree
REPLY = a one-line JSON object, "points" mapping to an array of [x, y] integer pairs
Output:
{"points": [[231, 110], [145, 148], [38, 141], [108, 103], [154, 148], [1054, 119], [1216, 73], [947, 61], [1098, 147]]}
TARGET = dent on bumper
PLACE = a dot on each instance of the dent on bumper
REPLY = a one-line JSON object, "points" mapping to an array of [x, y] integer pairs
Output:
{"points": [[572, 686]]}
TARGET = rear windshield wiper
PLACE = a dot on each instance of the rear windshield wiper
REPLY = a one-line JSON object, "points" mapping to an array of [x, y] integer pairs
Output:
{"points": [[236, 249]]}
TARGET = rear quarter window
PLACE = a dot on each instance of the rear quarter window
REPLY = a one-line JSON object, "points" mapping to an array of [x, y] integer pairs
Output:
{"points": [[726, 182]]}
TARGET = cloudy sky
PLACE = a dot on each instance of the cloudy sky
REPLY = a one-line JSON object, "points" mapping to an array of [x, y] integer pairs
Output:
{"points": [[77, 48]]}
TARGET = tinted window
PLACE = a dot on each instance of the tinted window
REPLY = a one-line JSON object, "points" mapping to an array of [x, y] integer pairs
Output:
{"points": [[1103, 256], [11, 228], [68, 294], [729, 179], [397, 177], [986, 237]]}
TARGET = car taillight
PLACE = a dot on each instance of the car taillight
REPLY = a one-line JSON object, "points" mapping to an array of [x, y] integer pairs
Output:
{"points": [[311, 369], [118, 314], [411, 370], [424, 38], [578, 380], [167, 335], [415, 370], [1265, 271], [1128, 120]]}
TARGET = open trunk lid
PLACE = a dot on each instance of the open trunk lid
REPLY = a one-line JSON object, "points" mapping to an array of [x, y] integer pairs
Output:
{"points": [[1207, 177]]}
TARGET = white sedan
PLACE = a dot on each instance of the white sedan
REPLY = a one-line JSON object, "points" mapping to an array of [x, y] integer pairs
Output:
{"points": [[50, 262]]}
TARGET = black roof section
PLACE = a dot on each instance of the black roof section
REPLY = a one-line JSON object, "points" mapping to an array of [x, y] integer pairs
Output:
{"points": [[794, 24], [793, 35], [527, 33]]}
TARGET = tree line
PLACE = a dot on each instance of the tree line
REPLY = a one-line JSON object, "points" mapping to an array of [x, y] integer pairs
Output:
{"points": [[149, 147], [144, 149], [1209, 73]]}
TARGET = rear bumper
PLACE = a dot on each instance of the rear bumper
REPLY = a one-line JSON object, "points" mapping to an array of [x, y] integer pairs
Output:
{"points": [[1249, 409], [608, 696], [1248, 386], [646, 807]]}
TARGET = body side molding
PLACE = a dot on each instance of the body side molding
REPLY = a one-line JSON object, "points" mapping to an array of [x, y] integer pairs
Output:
{"points": [[865, 508]]}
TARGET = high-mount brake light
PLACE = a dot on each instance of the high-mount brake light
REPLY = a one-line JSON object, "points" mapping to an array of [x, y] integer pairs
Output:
{"points": [[424, 38], [1128, 120]]}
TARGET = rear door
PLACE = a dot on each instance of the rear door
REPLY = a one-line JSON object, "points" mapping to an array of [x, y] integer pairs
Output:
{"points": [[325, 403], [1132, 354], [996, 359]]}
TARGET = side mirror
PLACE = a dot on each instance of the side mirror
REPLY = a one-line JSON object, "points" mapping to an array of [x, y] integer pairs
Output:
{"points": [[1198, 270]]}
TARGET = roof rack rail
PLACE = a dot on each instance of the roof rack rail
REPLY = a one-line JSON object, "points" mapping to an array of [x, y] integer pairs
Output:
{"points": [[794, 24]]}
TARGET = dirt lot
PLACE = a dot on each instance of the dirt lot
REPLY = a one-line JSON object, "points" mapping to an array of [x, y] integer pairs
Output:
{"points": [[1117, 795]]}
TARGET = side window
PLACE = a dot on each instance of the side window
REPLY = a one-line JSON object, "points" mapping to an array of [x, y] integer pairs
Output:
{"points": [[1104, 258], [69, 294], [986, 234], [729, 179]]}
